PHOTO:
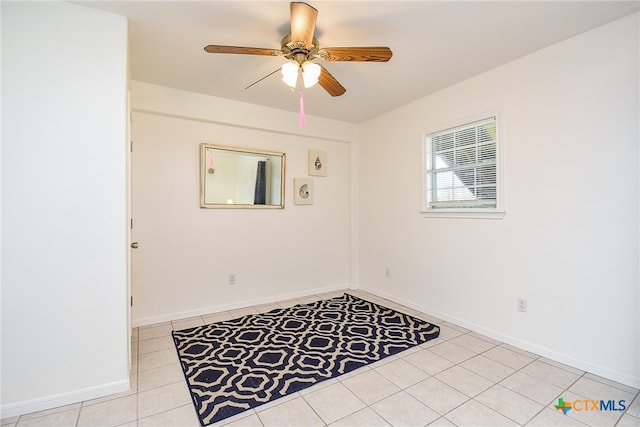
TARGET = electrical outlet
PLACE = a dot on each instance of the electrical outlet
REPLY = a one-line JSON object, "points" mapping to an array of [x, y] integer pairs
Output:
{"points": [[387, 272], [522, 305], [232, 279]]}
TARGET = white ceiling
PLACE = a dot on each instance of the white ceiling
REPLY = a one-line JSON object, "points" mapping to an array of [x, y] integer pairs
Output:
{"points": [[435, 44]]}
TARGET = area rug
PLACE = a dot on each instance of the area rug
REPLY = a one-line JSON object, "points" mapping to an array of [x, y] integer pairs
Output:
{"points": [[239, 364]]}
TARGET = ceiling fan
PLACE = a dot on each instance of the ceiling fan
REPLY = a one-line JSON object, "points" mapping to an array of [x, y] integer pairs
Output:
{"points": [[300, 47]]}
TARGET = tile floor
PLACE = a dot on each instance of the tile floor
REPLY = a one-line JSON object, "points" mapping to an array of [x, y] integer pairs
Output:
{"points": [[460, 379]]}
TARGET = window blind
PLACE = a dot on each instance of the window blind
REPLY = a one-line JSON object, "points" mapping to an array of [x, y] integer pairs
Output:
{"points": [[461, 166]]}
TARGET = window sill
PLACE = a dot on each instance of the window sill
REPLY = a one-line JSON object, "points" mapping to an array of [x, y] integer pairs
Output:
{"points": [[464, 213]]}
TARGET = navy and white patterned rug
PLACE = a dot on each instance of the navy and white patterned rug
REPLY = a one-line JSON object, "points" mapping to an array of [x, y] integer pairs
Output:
{"points": [[239, 364]]}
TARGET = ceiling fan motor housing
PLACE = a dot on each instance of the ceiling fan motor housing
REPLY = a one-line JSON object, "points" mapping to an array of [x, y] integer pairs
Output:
{"points": [[299, 51]]}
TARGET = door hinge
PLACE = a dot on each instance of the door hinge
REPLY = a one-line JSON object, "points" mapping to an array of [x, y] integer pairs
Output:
{"points": [[131, 224], [131, 146], [131, 302]]}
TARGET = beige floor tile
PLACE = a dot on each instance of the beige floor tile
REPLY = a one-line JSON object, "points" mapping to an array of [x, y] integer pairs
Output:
{"points": [[51, 411], [402, 373], [475, 414], [289, 303], [384, 361], [485, 338], [456, 327], [183, 416], [241, 312], [265, 308], [428, 362], [550, 374], [615, 384], [192, 322], [510, 404], [431, 319], [464, 380], [634, 407], [520, 351], [591, 389], [532, 388], [628, 421], [161, 376], [402, 409], [472, 343], [334, 402], [217, 317], [318, 386], [56, 419], [508, 357], [447, 332], [332, 294], [251, 420], [488, 368], [309, 299], [110, 413], [155, 344], [551, 417], [157, 359], [370, 386], [294, 413], [442, 422], [561, 366], [452, 352], [162, 399], [363, 418], [155, 331], [437, 395]]}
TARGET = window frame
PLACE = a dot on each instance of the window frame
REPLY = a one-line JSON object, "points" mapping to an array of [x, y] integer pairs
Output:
{"points": [[466, 212]]}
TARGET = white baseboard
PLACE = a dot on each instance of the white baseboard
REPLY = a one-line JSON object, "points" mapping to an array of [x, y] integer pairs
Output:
{"points": [[145, 321], [48, 402], [602, 371]]}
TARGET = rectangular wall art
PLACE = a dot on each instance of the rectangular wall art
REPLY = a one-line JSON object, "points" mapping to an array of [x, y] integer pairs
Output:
{"points": [[317, 163], [303, 191]]}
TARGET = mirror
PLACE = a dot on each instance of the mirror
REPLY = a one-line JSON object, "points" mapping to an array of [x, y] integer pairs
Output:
{"points": [[232, 177]]}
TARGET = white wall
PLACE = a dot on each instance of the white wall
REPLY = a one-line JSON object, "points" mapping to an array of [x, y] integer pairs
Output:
{"points": [[569, 240], [186, 253], [64, 311]]}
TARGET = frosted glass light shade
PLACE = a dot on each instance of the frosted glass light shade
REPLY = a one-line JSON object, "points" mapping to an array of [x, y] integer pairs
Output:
{"points": [[310, 73], [290, 73]]}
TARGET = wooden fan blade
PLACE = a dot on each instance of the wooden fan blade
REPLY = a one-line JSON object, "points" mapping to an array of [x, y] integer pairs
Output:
{"points": [[212, 48], [366, 54], [329, 83], [303, 22]]}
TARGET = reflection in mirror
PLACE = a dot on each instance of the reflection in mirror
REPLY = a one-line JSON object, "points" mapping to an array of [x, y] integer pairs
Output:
{"points": [[232, 177]]}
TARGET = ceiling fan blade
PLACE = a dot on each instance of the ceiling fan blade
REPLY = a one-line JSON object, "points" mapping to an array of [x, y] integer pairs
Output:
{"points": [[212, 48], [364, 54], [329, 83], [303, 22]]}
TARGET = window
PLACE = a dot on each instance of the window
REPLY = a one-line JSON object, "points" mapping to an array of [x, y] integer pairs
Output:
{"points": [[462, 170]]}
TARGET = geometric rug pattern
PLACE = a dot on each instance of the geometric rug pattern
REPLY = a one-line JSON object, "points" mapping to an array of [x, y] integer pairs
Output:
{"points": [[238, 364]]}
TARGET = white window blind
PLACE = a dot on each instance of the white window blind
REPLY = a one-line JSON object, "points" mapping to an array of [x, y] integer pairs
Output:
{"points": [[461, 167]]}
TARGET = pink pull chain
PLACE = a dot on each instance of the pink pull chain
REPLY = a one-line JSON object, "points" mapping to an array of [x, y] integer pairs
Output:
{"points": [[303, 120]]}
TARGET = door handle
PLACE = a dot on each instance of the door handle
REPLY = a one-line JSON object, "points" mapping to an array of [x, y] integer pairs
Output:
{"points": [[134, 245]]}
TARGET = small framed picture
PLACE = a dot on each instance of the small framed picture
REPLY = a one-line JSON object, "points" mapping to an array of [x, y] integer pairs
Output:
{"points": [[303, 191], [317, 163]]}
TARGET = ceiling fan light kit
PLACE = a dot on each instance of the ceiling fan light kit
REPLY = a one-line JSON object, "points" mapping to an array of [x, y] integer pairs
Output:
{"points": [[301, 48]]}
